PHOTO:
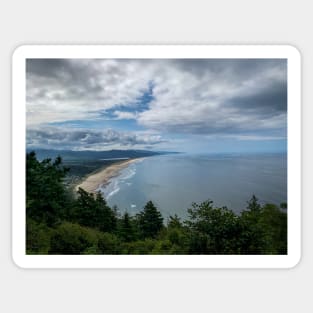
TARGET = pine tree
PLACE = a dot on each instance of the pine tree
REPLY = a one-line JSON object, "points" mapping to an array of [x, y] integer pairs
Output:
{"points": [[92, 211], [46, 196], [253, 204], [126, 229], [150, 221]]}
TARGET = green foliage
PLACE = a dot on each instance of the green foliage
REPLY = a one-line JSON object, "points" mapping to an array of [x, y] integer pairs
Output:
{"points": [[264, 230], [177, 234], [150, 221], [274, 223], [127, 228], [162, 247], [59, 223], [253, 204], [212, 230], [46, 195], [109, 244], [174, 222], [93, 211], [140, 246], [252, 239], [69, 238], [37, 237]]}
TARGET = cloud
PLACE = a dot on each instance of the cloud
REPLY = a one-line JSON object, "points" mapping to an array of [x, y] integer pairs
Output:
{"points": [[194, 96], [81, 139], [122, 115], [60, 90], [219, 96]]}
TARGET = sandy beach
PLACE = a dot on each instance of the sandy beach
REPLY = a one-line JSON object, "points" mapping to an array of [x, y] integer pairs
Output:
{"points": [[93, 181]]}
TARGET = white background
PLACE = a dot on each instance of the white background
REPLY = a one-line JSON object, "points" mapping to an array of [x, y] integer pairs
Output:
{"points": [[246, 22]]}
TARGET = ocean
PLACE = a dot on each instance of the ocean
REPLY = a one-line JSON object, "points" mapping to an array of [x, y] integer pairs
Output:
{"points": [[173, 182]]}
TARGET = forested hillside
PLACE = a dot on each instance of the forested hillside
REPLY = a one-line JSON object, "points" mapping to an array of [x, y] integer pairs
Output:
{"points": [[60, 223]]}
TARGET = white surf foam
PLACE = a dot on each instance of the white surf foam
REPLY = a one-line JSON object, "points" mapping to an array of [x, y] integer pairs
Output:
{"points": [[128, 173], [114, 185]]}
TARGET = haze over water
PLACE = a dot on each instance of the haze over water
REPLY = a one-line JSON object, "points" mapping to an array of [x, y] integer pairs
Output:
{"points": [[173, 182]]}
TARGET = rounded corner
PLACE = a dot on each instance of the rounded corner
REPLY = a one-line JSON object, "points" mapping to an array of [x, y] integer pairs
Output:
{"points": [[294, 51], [19, 51], [17, 262], [294, 262]]}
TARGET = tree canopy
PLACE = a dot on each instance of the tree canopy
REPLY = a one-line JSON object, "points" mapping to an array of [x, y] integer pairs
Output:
{"points": [[150, 221]]}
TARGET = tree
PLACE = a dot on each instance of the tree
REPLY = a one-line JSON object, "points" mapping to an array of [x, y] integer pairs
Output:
{"points": [[150, 221], [174, 222], [252, 240], [69, 238], [126, 229], [92, 211], [37, 237], [212, 230], [46, 197], [274, 223], [109, 244], [253, 204], [105, 217], [177, 234]]}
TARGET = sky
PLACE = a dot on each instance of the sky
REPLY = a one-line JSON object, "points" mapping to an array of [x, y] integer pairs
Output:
{"points": [[185, 105]]}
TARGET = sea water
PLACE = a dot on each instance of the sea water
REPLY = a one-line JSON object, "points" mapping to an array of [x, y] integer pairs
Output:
{"points": [[173, 182]]}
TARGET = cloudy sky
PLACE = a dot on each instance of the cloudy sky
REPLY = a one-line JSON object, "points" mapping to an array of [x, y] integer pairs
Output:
{"points": [[191, 105]]}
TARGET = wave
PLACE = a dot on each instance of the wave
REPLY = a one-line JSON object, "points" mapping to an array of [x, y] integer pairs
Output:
{"points": [[113, 192], [129, 172], [114, 185], [139, 160], [109, 190]]}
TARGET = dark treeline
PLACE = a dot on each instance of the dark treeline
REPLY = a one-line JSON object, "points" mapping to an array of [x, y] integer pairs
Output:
{"points": [[59, 222]]}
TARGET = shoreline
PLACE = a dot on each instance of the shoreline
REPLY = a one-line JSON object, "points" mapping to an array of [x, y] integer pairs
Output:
{"points": [[93, 181]]}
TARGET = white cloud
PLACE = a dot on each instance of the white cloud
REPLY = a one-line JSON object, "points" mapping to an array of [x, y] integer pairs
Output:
{"points": [[80, 89], [122, 115], [83, 139], [189, 96]]}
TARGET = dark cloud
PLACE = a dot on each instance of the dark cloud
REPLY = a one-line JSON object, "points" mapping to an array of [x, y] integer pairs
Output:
{"points": [[229, 68], [268, 101], [69, 138], [47, 67]]}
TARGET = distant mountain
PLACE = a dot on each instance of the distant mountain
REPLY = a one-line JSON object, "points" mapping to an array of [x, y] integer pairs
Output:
{"points": [[94, 155]]}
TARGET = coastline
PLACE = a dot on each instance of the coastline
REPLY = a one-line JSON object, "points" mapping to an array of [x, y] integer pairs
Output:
{"points": [[92, 182]]}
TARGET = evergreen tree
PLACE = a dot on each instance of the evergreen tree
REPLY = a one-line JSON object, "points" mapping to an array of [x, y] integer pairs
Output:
{"points": [[105, 217], [174, 222], [92, 211], [274, 223], [46, 198], [126, 228], [253, 204], [150, 221], [212, 230], [252, 239], [177, 234]]}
